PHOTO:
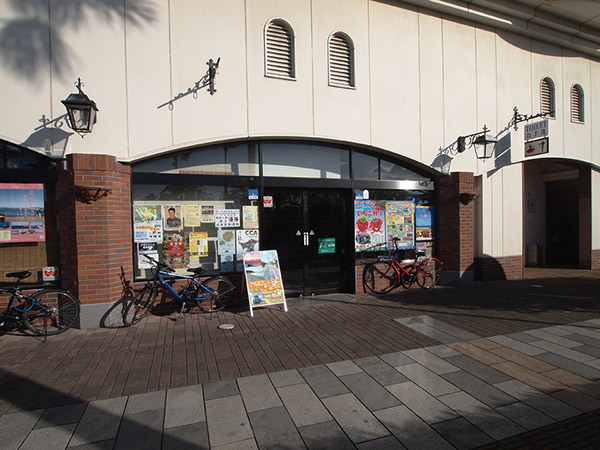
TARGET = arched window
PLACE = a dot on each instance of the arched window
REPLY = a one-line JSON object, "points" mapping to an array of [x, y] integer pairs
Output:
{"points": [[577, 112], [341, 60], [279, 50], [547, 105]]}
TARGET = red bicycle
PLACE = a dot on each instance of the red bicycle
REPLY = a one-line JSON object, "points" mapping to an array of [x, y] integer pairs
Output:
{"points": [[389, 272]]}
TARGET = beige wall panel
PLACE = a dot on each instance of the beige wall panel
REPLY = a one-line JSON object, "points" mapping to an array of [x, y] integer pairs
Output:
{"points": [[201, 31], [279, 107], [395, 84], [594, 119], [595, 209], [431, 78], [25, 80], [341, 113], [512, 210], [148, 83], [486, 232]]}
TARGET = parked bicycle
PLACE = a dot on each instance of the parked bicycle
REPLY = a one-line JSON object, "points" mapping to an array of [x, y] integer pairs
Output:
{"points": [[210, 295], [389, 272], [45, 312]]}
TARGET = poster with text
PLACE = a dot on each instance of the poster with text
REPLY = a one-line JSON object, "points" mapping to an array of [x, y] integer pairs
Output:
{"points": [[369, 225], [263, 279], [227, 218], [22, 212], [424, 216], [250, 214], [198, 243], [148, 232], [399, 219], [172, 217], [191, 215], [247, 241], [147, 248], [207, 214]]}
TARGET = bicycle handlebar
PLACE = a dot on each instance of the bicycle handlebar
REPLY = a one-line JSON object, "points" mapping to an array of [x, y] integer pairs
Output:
{"points": [[158, 264]]}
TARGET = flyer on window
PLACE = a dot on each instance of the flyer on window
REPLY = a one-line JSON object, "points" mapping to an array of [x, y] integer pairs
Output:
{"points": [[22, 212], [227, 218], [250, 214], [147, 248], [247, 241], [172, 217], [147, 223], [399, 219], [369, 225], [191, 215], [198, 243], [424, 216]]}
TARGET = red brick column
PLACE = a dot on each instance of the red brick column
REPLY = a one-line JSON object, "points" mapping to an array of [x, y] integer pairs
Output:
{"points": [[456, 222], [95, 236]]}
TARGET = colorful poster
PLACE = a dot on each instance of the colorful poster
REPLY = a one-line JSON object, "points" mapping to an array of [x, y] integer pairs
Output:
{"points": [[247, 241], [263, 279], [146, 213], [424, 216], [250, 216], [150, 249], [399, 219], [198, 243], [191, 215], [207, 214], [227, 218], [148, 232], [173, 250], [369, 225], [22, 212], [172, 217]]}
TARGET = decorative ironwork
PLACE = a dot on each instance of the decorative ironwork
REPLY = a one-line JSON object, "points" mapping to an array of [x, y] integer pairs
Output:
{"points": [[90, 194]]}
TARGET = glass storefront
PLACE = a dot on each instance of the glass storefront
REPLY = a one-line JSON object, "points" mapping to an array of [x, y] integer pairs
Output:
{"points": [[206, 206]]}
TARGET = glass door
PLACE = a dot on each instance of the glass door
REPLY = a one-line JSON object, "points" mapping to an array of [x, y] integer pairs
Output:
{"points": [[308, 228]]}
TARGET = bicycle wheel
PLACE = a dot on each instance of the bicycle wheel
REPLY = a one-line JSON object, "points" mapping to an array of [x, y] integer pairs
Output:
{"points": [[407, 278], [54, 311], [429, 273], [140, 305], [379, 277], [223, 288]]}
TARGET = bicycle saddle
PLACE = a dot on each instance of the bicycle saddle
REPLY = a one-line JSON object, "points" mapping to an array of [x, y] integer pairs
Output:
{"points": [[197, 270], [19, 275]]}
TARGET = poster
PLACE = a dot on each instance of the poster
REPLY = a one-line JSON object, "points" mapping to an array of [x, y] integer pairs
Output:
{"points": [[207, 214], [226, 249], [227, 218], [424, 216], [173, 250], [263, 279], [247, 241], [172, 217], [147, 223], [191, 215], [147, 248], [198, 243], [22, 212], [250, 214], [399, 219], [369, 224]]}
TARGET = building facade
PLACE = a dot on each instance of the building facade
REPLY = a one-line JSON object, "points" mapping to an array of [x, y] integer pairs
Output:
{"points": [[318, 128]]}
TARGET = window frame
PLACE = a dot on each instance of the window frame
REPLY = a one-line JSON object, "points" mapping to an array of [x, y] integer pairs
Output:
{"points": [[577, 110], [551, 86], [269, 72], [349, 62]]}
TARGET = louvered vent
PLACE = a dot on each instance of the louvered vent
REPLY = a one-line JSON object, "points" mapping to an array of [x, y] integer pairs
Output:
{"points": [[547, 97], [279, 50], [340, 61], [577, 104]]}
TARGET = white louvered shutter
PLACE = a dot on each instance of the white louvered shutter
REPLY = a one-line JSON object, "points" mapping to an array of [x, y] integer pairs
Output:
{"points": [[279, 50], [576, 104], [547, 97], [340, 61]]}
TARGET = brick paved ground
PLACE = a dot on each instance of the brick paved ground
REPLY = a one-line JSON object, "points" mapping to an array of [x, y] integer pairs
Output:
{"points": [[162, 353]]}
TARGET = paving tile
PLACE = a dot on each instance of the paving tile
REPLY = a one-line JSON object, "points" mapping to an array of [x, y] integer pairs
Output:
{"points": [[594, 363], [437, 326], [221, 389], [340, 368], [381, 371], [523, 337], [462, 434], [274, 429], [580, 369], [50, 438], [357, 421], [518, 345], [326, 436], [585, 340], [146, 402], [578, 399], [542, 402], [387, 443], [426, 406], [258, 393], [396, 359], [482, 416], [227, 420], [102, 445], [477, 353], [589, 350], [478, 369], [247, 444], [563, 351], [286, 378], [426, 379], [524, 415], [550, 337], [431, 332], [485, 343], [443, 351], [432, 362], [593, 333], [529, 377], [557, 330], [323, 381], [184, 406], [515, 356], [575, 381], [367, 390], [141, 430], [410, 429], [14, 428], [100, 421], [187, 437], [479, 389], [61, 415], [303, 406]]}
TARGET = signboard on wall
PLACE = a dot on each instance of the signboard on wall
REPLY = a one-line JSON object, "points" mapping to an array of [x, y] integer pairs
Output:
{"points": [[22, 212], [538, 147]]}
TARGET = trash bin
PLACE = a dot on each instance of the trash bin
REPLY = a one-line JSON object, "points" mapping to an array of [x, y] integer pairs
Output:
{"points": [[533, 254]]}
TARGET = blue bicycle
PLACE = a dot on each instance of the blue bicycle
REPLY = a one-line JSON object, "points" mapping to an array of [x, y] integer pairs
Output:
{"points": [[210, 295]]}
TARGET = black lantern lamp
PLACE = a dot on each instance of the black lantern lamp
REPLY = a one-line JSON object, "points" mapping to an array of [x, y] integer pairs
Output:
{"points": [[81, 111], [483, 143]]}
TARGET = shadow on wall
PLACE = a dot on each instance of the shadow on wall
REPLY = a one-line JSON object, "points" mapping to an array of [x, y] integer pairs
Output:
{"points": [[24, 45]]}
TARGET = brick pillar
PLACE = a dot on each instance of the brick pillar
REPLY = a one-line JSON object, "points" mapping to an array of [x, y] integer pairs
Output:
{"points": [[95, 237], [456, 222]]}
